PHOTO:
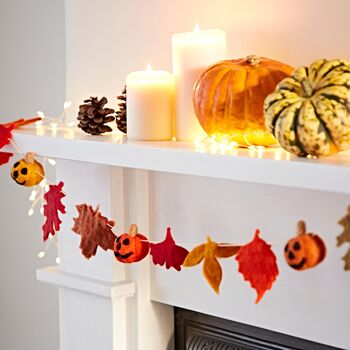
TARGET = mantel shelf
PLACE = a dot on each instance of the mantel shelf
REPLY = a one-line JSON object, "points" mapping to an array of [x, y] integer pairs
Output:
{"points": [[270, 166]]}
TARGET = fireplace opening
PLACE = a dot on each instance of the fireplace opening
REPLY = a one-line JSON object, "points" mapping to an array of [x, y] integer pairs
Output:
{"points": [[197, 331]]}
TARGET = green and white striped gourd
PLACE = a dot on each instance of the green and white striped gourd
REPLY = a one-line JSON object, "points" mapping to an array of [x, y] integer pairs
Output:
{"points": [[309, 112]]}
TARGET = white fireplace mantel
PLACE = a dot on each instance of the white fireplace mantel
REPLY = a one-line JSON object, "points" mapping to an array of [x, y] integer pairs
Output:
{"points": [[107, 305], [270, 166]]}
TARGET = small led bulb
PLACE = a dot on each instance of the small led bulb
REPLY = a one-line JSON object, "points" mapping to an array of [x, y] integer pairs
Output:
{"points": [[41, 254]]}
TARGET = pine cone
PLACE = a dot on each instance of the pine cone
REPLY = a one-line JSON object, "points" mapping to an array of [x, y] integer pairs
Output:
{"points": [[121, 113], [93, 116]]}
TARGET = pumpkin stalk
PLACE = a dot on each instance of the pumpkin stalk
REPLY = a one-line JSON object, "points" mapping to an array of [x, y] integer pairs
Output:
{"points": [[30, 158], [254, 60], [133, 230], [301, 228]]}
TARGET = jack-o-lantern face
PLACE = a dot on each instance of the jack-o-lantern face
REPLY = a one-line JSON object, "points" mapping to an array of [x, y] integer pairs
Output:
{"points": [[27, 172], [131, 247], [304, 251]]}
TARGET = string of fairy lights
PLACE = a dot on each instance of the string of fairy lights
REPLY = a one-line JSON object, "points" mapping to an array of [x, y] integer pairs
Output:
{"points": [[203, 145], [36, 197]]}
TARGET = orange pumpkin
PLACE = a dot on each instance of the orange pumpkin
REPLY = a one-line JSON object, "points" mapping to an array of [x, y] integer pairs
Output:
{"points": [[304, 251], [131, 247], [229, 96]]}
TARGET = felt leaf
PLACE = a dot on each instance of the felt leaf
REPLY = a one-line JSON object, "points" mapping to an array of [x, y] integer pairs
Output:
{"points": [[21, 122], [210, 251], [5, 135], [346, 259], [195, 257], [257, 264], [5, 157], [345, 235], [212, 272], [53, 205], [226, 251], [95, 230], [168, 253]]}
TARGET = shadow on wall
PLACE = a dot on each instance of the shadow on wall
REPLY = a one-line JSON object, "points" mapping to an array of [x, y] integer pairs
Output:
{"points": [[32, 78]]}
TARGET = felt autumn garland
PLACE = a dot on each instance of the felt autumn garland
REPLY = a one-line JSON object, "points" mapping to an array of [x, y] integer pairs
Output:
{"points": [[256, 260]]}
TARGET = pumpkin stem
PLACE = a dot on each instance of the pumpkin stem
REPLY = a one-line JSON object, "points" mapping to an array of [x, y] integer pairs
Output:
{"points": [[133, 230], [307, 87], [301, 228], [254, 60], [30, 158]]}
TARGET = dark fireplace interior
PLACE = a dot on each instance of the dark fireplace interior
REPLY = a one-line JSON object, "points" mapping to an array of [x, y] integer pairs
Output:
{"points": [[196, 331]]}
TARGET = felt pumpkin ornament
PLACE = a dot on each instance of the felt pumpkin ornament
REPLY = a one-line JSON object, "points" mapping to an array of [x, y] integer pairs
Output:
{"points": [[304, 251], [228, 98], [309, 112], [27, 171], [131, 247]]}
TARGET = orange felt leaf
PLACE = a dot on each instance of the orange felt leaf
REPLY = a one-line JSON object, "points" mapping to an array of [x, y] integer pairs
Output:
{"points": [[22, 122], [94, 229], [210, 251], [257, 264]]}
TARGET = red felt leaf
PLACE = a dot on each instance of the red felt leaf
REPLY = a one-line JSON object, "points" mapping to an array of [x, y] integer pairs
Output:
{"points": [[53, 205], [168, 253], [5, 135], [257, 264], [5, 157]]}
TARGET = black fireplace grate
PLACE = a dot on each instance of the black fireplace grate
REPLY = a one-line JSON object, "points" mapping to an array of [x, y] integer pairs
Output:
{"points": [[197, 331]]}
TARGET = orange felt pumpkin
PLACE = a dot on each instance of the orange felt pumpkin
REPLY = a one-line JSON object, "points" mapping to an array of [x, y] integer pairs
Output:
{"points": [[229, 96], [131, 247], [304, 251]]}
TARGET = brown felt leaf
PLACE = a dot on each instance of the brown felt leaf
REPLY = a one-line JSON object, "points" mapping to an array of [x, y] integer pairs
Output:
{"points": [[95, 230], [344, 237], [210, 251], [346, 258]]}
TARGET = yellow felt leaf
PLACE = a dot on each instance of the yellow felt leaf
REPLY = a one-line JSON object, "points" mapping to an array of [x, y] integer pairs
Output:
{"points": [[195, 256], [223, 251], [210, 251], [212, 272]]}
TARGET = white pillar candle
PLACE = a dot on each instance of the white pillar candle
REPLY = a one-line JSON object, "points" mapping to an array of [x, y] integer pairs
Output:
{"points": [[192, 52], [150, 105]]}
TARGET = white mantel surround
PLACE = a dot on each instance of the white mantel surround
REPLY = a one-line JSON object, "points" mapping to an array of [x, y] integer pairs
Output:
{"points": [[108, 305]]}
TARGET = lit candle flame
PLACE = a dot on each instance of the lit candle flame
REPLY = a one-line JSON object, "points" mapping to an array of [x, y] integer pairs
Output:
{"points": [[149, 67], [196, 28]]}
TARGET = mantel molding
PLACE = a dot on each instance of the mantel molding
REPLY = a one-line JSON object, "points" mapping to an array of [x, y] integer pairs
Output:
{"points": [[52, 275]]}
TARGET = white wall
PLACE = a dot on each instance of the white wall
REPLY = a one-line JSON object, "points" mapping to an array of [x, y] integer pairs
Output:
{"points": [[31, 78], [109, 38]]}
